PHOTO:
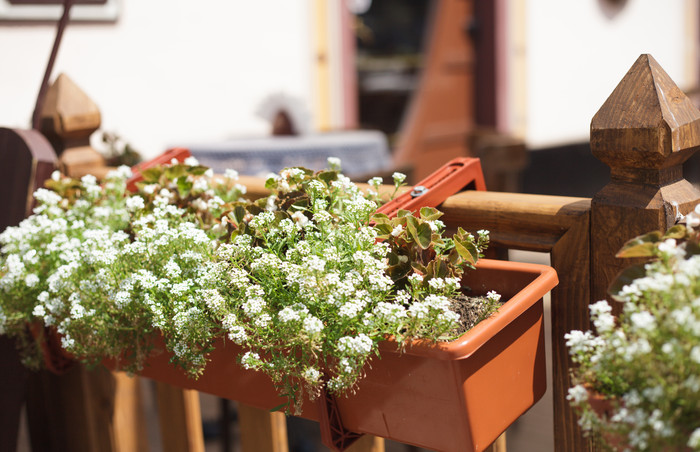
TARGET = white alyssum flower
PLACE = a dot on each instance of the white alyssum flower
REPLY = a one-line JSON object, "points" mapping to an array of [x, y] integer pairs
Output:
{"points": [[312, 375], [694, 439], [577, 394], [643, 320], [493, 296], [334, 163], [359, 345], [135, 203], [191, 161], [398, 178]]}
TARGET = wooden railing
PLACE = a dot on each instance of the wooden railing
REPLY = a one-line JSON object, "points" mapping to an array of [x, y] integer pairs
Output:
{"points": [[644, 132]]}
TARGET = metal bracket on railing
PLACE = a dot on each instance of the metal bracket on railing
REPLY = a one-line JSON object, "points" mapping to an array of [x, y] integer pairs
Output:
{"points": [[179, 154], [333, 434], [451, 178]]}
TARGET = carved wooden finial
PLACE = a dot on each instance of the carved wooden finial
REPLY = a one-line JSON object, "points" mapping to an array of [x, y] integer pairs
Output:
{"points": [[68, 112], [647, 128], [68, 118], [644, 131]]}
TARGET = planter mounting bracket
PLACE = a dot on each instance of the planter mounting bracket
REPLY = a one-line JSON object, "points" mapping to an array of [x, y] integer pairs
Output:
{"points": [[333, 433], [453, 177]]}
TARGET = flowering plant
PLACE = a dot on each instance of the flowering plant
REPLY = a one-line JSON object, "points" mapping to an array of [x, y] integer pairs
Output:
{"points": [[307, 280], [646, 361], [105, 267]]}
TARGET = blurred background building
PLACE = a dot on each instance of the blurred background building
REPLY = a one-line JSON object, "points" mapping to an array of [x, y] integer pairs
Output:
{"points": [[434, 76]]}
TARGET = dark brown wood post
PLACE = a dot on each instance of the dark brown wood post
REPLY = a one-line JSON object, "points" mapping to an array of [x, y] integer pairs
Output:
{"points": [[644, 131], [26, 160]]}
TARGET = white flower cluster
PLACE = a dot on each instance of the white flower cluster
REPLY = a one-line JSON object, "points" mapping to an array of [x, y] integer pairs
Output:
{"points": [[648, 358], [73, 265]]}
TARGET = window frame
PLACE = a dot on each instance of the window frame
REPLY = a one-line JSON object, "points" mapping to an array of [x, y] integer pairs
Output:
{"points": [[51, 10]]}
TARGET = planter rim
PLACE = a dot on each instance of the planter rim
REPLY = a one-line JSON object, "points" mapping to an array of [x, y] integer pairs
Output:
{"points": [[545, 279]]}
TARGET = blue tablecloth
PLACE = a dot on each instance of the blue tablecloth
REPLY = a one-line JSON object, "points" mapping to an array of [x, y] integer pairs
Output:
{"points": [[361, 152]]}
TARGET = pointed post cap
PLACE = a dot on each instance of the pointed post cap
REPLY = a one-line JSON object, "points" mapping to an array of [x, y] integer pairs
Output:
{"points": [[68, 112], [647, 128]]}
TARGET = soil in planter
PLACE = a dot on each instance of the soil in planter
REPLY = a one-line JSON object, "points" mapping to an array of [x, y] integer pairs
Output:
{"points": [[472, 310]]}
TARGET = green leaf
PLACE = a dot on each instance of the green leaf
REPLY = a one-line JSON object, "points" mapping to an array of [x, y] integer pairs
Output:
{"points": [[692, 248], [279, 216], [404, 213], [430, 213], [151, 175], [642, 246], [271, 183], [197, 170], [676, 232], [624, 278], [398, 271], [424, 235], [173, 172], [418, 267], [254, 209], [639, 250], [184, 187], [412, 227], [454, 257], [392, 259], [328, 176], [380, 218], [436, 269], [383, 229], [236, 215], [466, 251], [279, 407]]}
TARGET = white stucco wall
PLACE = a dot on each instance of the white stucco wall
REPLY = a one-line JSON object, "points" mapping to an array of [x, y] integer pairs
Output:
{"points": [[169, 71], [573, 56], [182, 71]]}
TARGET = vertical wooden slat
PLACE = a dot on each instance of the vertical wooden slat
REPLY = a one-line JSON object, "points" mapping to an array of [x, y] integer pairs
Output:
{"points": [[180, 419], [129, 420], [570, 256], [262, 431], [499, 445], [367, 443], [12, 390]]}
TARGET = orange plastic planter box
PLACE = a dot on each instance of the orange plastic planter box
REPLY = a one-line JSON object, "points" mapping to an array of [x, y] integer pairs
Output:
{"points": [[457, 396]]}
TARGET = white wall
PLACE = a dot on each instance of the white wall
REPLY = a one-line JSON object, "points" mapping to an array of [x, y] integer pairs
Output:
{"points": [[573, 56], [169, 71]]}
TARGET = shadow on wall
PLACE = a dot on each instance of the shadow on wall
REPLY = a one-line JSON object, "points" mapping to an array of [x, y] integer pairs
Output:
{"points": [[572, 170]]}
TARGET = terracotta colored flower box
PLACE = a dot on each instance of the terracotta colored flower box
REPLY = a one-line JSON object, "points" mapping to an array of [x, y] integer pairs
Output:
{"points": [[456, 396]]}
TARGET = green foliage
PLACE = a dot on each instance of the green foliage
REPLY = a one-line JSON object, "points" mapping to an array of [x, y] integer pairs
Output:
{"points": [[416, 244]]}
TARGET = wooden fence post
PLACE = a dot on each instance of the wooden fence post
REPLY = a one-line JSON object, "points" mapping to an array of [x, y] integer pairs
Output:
{"points": [[26, 160], [644, 131]]}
